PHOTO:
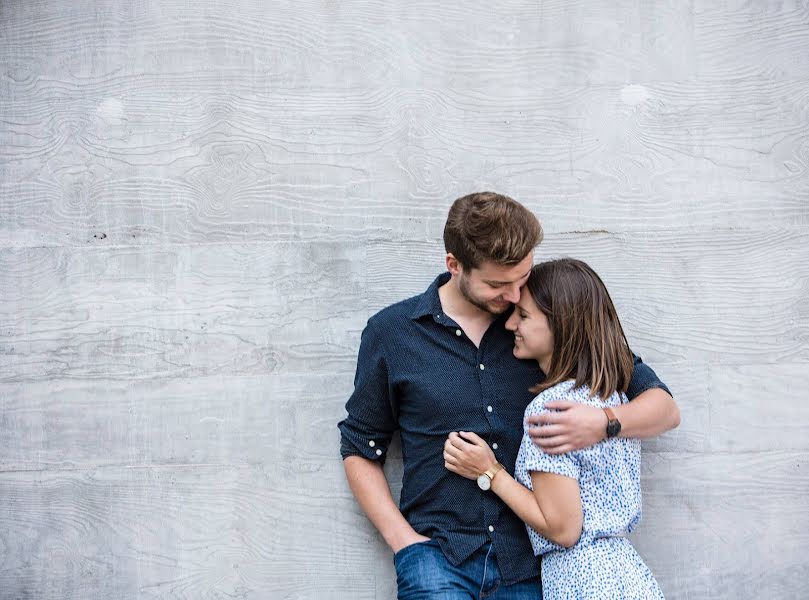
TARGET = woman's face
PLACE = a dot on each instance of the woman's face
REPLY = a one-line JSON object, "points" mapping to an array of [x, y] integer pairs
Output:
{"points": [[532, 334]]}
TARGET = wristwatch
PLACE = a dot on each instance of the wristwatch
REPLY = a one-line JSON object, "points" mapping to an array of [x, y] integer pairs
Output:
{"points": [[485, 478], [613, 424]]}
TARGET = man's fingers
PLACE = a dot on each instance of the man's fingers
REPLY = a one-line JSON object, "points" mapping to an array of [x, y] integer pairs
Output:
{"points": [[560, 404], [550, 442], [559, 449], [553, 418], [546, 431]]}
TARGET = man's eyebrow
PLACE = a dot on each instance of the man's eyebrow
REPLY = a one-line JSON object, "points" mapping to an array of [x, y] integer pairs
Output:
{"points": [[493, 282]]}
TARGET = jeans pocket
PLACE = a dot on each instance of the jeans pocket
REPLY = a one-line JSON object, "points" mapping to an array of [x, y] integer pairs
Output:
{"points": [[409, 549]]}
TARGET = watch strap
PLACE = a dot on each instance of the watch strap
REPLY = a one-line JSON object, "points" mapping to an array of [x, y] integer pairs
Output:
{"points": [[613, 424], [491, 472]]}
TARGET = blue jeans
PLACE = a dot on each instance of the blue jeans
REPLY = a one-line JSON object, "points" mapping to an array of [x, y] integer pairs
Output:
{"points": [[424, 573]]}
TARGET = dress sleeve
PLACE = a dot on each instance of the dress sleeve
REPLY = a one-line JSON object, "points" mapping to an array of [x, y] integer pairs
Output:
{"points": [[537, 459], [371, 420]]}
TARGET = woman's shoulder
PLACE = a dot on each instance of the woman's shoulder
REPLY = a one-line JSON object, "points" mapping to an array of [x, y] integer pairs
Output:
{"points": [[567, 390], [560, 391]]}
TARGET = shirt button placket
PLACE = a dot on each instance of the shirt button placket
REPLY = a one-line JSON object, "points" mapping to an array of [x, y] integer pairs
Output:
{"points": [[490, 508]]}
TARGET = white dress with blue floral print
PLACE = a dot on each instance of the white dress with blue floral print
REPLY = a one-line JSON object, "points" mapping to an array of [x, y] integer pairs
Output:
{"points": [[603, 564]]}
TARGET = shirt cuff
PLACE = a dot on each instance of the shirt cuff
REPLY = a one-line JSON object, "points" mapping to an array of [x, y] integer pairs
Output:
{"points": [[365, 444]]}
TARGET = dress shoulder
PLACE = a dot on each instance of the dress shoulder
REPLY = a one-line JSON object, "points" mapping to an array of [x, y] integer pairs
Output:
{"points": [[560, 391], [566, 390]]}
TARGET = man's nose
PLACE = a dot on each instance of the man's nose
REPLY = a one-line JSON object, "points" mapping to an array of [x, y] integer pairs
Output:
{"points": [[513, 294]]}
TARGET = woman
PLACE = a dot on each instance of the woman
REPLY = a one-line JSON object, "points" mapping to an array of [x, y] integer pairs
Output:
{"points": [[579, 506]]}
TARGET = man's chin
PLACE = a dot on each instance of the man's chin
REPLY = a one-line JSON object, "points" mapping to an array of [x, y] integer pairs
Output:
{"points": [[498, 308]]}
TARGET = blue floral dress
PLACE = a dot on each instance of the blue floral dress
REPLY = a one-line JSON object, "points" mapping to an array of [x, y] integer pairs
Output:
{"points": [[603, 564]]}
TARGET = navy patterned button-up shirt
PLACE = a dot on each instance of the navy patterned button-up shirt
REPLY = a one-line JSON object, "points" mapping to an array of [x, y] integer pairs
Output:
{"points": [[418, 373]]}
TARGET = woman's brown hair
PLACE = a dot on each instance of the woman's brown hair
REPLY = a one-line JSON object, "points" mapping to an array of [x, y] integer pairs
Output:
{"points": [[589, 344]]}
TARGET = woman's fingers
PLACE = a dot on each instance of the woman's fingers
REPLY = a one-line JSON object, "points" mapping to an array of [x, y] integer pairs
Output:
{"points": [[472, 438], [452, 450], [451, 455], [456, 440]]}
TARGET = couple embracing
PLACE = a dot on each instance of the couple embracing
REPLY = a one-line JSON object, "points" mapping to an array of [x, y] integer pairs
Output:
{"points": [[520, 407]]}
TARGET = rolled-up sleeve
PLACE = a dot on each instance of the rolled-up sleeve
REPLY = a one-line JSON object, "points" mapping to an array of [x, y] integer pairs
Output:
{"points": [[643, 378], [371, 420]]}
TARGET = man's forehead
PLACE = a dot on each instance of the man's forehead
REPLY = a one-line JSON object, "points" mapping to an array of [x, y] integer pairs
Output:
{"points": [[492, 272]]}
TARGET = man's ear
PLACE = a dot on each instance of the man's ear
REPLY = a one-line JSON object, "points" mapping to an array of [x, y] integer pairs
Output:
{"points": [[453, 265]]}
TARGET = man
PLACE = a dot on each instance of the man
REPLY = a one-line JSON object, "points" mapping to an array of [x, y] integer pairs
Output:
{"points": [[442, 362]]}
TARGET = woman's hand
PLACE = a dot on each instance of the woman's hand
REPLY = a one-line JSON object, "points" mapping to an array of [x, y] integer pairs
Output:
{"points": [[466, 454]]}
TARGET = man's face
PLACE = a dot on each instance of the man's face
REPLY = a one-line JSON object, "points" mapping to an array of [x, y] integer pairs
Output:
{"points": [[494, 288]]}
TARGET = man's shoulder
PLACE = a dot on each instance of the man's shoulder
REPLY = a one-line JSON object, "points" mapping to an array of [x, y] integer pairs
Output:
{"points": [[397, 312]]}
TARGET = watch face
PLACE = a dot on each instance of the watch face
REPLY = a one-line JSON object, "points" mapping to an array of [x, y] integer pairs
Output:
{"points": [[484, 482], [613, 428]]}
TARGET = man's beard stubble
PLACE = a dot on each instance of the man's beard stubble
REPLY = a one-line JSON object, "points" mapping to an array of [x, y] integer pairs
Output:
{"points": [[463, 286]]}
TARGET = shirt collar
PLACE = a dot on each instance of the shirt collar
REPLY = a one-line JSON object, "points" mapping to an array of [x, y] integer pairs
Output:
{"points": [[429, 303]]}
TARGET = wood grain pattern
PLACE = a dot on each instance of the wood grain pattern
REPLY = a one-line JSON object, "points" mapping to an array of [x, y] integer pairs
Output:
{"points": [[317, 44], [180, 311], [725, 523], [200, 206], [146, 167], [202, 532], [717, 296], [230, 536], [75, 424], [288, 419]]}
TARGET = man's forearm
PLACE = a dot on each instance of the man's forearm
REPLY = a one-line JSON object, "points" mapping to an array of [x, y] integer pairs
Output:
{"points": [[371, 489], [651, 413]]}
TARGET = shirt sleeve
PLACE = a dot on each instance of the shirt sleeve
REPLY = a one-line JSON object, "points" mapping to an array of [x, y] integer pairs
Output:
{"points": [[371, 420], [643, 378]]}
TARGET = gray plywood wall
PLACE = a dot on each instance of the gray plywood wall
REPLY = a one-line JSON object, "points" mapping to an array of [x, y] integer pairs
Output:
{"points": [[202, 203]]}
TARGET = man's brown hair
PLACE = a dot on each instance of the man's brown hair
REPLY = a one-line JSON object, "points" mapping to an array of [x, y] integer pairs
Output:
{"points": [[589, 344], [488, 226]]}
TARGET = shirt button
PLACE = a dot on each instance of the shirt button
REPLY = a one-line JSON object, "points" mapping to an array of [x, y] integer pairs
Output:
{"points": [[491, 528], [458, 332], [482, 367], [494, 446], [378, 452], [372, 443], [489, 408]]}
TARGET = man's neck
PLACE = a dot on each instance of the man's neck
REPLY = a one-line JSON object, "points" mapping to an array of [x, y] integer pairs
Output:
{"points": [[459, 308]]}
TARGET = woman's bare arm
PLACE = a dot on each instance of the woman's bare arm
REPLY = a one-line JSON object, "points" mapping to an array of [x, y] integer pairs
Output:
{"points": [[553, 509]]}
